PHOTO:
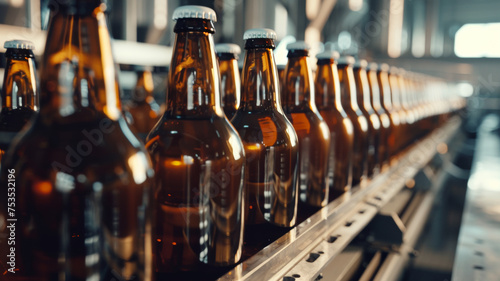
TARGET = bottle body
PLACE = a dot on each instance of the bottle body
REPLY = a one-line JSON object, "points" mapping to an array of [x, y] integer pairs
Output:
{"points": [[19, 97], [341, 129], [199, 160], [386, 104], [385, 121], [297, 99], [84, 190], [270, 142], [359, 122], [363, 98]]}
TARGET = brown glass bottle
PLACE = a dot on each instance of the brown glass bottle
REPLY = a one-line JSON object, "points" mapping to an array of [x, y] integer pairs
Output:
{"points": [[19, 98], [364, 102], [82, 179], [348, 94], [227, 55], [385, 121], [143, 107], [328, 102], [271, 144], [386, 103], [406, 106], [398, 109], [297, 99], [198, 159]]}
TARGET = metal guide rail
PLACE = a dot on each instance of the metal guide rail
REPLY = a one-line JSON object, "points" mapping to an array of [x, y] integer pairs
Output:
{"points": [[311, 245], [478, 251]]}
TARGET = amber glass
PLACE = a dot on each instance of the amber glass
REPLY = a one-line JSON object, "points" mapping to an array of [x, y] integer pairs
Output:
{"points": [[271, 144], [363, 99], [407, 138], [143, 107], [385, 121], [82, 179], [281, 75], [386, 103], [360, 123], [329, 104], [199, 162], [18, 98], [398, 109], [314, 136], [230, 83]]}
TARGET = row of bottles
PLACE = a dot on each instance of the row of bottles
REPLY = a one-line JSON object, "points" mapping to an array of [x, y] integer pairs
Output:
{"points": [[230, 165]]}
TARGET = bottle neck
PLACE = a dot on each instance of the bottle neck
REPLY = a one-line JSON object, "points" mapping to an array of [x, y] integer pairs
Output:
{"points": [[79, 79], [230, 82], [385, 89], [363, 88], [348, 87], [327, 85], [194, 75], [297, 89], [143, 91], [260, 88], [19, 87], [374, 89]]}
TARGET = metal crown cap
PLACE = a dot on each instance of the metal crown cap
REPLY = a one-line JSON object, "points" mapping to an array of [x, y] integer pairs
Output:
{"points": [[298, 45], [194, 12], [256, 33], [394, 70], [330, 54], [373, 66], [361, 64], [228, 48], [348, 60], [384, 67], [19, 44]]}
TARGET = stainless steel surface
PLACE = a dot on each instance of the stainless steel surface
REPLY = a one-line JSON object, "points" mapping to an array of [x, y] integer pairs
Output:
{"points": [[287, 255], [478, 251]]}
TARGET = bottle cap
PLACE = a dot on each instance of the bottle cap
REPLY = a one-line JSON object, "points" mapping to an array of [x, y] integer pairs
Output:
{"points": [[394, 70], [361, 64], [194, 12], [346, 60], [383, 67], [373, 66], [329, 54], [256, 33], [228, 48], [19, 44], [299, 45]]}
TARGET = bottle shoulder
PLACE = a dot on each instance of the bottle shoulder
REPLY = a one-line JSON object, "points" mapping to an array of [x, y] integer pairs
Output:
{"points": [[201, 138], [270, 128], [101, 147]]}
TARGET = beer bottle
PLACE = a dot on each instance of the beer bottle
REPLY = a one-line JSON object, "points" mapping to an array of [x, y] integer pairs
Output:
{"points": [[328, 102], [229, 77], [271, 144], [360, 124], [297, 99], [19, 98], [80, 178], [406, 106], [398, 109], [363, 99], [198, 158], [142, 107], [386, 103]]}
